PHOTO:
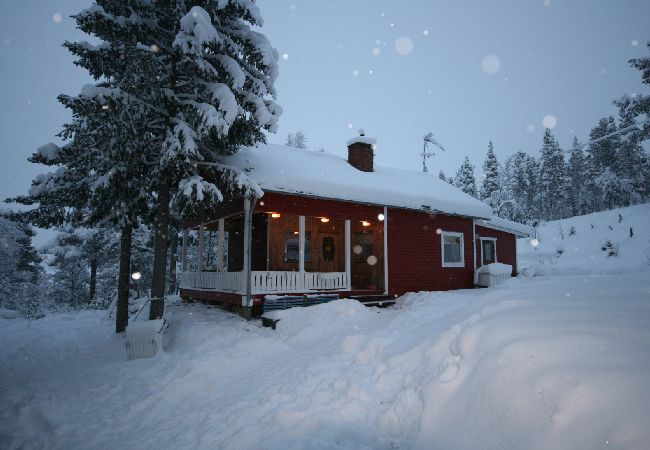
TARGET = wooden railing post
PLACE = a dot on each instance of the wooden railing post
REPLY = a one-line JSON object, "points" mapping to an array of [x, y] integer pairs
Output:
{"points": [[348, 261]]}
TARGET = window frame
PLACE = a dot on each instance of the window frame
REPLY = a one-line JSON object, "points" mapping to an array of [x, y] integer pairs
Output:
{"points": [[288, 235], [462, 249], [494, 240]]}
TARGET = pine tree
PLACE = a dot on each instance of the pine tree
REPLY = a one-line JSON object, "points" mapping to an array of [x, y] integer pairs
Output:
{"points": [[603, 183], [552, 179], [491, 184], [638, 106], [465, 180], [203, 78], [576, 171]]}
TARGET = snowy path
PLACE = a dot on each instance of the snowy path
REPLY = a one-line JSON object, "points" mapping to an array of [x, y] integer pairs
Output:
{"points": [[550, 362]]}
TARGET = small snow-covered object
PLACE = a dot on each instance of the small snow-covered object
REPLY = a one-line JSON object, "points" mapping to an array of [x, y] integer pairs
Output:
{"points": [[493, 274], [144, 339]]}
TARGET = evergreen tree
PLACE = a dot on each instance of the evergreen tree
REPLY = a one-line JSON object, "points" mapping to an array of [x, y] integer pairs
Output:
{"points": [[491, 184], [552, 179], [603, 183], [442, 176], [630, 158], [205, 79], [19, 267], [465, 180], [638, 106], [576, 171]]}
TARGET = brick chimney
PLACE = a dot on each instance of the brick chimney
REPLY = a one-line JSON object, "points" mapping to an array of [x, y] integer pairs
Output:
{"points": [[360, 152]]}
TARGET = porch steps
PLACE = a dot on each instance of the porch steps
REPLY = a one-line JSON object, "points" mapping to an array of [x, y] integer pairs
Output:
{"points": [[380, 301]]}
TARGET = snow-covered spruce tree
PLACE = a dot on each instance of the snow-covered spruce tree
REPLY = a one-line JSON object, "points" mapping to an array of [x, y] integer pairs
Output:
{"points": [[630, 162], [637, 107], [517, 184], [205, 78], [552, 179], [101, 177], [19, 268], [491, 181], [465, 180], [576, 171], [601, 165]]}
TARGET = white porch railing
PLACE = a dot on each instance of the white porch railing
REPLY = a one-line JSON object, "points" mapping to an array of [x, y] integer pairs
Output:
{"points": [[214, 281], [266, 282]]}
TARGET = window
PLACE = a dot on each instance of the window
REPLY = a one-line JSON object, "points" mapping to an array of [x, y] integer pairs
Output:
{"points": [[488, 250], [292, 247], [453, 249]]}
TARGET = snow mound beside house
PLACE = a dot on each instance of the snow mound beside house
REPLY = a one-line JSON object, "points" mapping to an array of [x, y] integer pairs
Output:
{"points": [[537, 363], [615, 241]]}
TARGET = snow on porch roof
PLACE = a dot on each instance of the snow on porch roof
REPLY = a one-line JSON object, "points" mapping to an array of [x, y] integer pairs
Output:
{"points": [[289, 170], [497, 223]]}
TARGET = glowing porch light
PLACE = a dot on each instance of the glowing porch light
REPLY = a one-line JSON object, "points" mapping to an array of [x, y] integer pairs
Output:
{"points": [[136, 276], [380, 217], [365, 223], [324, 219], [276, 215]]}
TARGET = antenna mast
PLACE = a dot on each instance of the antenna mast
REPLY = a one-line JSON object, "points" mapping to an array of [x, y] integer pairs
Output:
{"points": [[429, 139]]}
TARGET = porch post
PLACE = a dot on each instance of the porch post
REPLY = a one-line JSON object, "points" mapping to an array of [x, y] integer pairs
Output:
{"points": [[301, 244], [248, 234], [348, 262], [184, 251], [220, 262], [201, 245], [385, 250]]}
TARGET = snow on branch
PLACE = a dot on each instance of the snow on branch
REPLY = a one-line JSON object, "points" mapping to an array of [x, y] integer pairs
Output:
{"points": [[196, 32]]}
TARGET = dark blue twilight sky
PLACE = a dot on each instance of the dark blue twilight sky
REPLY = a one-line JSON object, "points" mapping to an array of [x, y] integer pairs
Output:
{"points": [[468, 70]]}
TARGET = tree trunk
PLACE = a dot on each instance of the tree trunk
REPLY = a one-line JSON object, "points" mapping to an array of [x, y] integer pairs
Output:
{"points": [[122, 313], [172, 262], [160, 251], [93, 279]]}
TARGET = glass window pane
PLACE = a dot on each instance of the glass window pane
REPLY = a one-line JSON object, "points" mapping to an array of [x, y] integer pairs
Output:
{"points": [[452, 249]]}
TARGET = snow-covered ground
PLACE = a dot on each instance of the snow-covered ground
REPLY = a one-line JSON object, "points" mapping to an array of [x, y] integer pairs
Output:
{"points": [[535, 363], [580, 244]]}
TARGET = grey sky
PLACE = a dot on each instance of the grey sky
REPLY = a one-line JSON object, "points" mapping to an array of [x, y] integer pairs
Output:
{"points": [[562, 58]]}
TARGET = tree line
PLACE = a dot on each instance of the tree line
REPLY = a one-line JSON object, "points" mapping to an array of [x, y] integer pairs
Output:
{"points": [[611, 170]]}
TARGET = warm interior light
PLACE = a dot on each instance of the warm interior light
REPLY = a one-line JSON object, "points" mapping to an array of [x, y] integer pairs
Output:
{"points": [[295, 232], [261, 203], [276, 215], [380, 217], [324, 219], [365, 224]]}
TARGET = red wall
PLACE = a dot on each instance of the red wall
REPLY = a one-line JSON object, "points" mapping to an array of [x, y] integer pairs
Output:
{"points": [[310, 206], [415, 254], [506, 247]]}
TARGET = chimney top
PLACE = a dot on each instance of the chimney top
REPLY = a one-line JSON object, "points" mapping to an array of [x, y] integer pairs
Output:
{"points": [[360, 152]]}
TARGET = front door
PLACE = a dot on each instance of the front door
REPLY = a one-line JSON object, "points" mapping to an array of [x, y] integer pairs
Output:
{"points": [[364, 267], [488, 250]]}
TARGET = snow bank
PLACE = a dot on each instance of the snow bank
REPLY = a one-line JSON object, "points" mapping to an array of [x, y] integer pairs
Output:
{"points": [[558, 362], [496, 269], [616, 241]]}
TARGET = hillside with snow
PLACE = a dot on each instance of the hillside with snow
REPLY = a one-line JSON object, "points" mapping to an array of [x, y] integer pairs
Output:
{"points": [[607, 242]]}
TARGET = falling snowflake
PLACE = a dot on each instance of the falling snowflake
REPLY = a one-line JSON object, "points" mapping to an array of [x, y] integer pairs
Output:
{"points": [[285, 56], [549, 121], [547, 2], [355, 73], [370, 72], [634, 43], [372, 260], [534, 243], [491, 64], [350, 125], [57, 18], [603, 71], [530, 128], [357, 249], [376, 51], [404, 45], [292, 7], [425, 32]]}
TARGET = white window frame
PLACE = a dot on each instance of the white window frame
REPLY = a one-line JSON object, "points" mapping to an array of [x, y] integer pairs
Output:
{"points": [[462, 248], [496, 256]]}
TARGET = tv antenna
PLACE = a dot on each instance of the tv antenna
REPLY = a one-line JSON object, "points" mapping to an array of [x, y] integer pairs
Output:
{"points": [[429, 139]]}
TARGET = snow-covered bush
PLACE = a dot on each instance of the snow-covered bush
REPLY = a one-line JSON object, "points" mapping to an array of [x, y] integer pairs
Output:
{"points": [[609, 247]]}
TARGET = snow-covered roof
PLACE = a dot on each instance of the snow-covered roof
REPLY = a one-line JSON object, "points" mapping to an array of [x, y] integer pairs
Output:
{"points": [[498, 223], [289, 170]]}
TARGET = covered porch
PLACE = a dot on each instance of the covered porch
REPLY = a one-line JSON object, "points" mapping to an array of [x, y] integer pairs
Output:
{"points": [[285, 245]]}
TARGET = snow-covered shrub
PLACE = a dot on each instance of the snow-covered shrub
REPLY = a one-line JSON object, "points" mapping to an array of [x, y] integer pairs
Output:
{"points": [[572, 231], [609, 247]]}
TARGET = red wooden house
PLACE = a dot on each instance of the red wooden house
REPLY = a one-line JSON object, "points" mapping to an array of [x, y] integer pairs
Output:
{"points": [[346, 227]]}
